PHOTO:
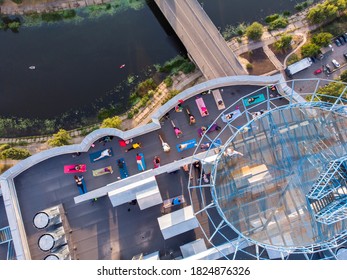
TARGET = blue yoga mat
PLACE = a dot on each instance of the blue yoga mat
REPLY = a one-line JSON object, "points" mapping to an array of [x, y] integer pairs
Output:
{"points": [[123, 171], [190, 144], [97, 154], [258, 98], [82, 189], [216, 144], [143, 163]]}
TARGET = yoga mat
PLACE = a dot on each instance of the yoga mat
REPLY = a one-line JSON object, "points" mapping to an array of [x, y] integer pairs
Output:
{"points": [[143, 163], [259, 98], [190, 144], [235, 113], [68, 167], [123, 171], [122, 143], [94, 155], [82, 189], [101, 171]]}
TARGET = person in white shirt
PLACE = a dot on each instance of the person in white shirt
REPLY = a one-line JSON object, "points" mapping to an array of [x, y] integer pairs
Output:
{"points": [[231, 152], [104, 153]]}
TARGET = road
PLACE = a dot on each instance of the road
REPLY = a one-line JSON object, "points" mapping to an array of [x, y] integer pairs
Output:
{"points": [[201, 38]]}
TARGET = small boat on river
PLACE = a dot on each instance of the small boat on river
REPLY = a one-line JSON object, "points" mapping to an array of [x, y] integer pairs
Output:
{"points": [[32, 67]]}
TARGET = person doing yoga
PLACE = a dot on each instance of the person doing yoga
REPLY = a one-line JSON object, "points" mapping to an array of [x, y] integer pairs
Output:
{"points": [[104, 153]]}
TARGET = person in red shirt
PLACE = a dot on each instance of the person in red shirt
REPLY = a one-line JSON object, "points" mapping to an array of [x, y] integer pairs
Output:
{"points": [[139, 161]]}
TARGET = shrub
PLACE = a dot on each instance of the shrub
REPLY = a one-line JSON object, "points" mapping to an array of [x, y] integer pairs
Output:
{"points": [[254, 31], [168, 81], [310, 49], [187, 67], [4, 147], [322, 39], [278, 23], [14, 25], [343, 76], [283, 43], [60, 138], [114, 122], [145, 86], [15, 153], [130, 115], [271, 18]]}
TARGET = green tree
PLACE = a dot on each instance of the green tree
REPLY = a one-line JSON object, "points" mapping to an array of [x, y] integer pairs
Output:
{"points": [[322, 12], [60, 138], [281, 22], [15, 153], [322, 39], [284, 42], [14, 25], [343, 76], [114, 122], [271, 18], [310, 49], [255, 31], [333, 89]]}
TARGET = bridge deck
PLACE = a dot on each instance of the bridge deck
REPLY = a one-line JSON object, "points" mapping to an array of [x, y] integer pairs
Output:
{"points": [[201, 38]]}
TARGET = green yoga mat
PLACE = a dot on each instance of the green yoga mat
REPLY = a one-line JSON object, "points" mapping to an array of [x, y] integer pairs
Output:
{"points": [[258, 98]]}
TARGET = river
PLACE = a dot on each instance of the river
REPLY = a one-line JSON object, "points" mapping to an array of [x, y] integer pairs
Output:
{"points": [[78, 65]]}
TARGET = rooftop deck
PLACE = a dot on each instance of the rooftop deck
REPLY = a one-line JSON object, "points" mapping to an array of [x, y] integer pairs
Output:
{"points": [[100, 231]]}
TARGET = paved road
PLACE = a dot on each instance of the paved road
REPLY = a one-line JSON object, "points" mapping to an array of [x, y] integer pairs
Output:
{"points": [[201, 38]]}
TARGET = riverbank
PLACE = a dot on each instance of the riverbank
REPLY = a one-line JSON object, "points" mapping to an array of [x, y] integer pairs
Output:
{"points": [[37, 7]]}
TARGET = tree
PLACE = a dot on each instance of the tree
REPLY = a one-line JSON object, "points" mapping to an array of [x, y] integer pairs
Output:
{"points": [[255, 31], [322, 12], [331, 89], [15, 153], [322, 39], [343, 76], [281, 22], [114, 122], [61, 138], [310, 49], [284, 42]]}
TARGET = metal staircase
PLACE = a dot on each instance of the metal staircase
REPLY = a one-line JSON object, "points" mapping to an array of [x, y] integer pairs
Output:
{"points": [[328, 197], [330, 180], [6, 237]]}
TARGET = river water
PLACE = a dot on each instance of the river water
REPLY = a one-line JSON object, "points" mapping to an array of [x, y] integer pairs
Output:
{"points": [[78, 65]]}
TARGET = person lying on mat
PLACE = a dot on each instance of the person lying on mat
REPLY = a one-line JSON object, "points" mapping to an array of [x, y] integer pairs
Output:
{"points": [[156, 162], [229, 116], [104, 153], [106, 169], [191, 118], [120, 164], [76, 167], [183, 146], [252, 99], [136, 145]]}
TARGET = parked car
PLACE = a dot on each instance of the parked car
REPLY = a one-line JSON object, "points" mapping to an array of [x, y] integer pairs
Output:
{"points": [[344, 36], [337, 42], [318, 71], [336, 64], [328, 68], [342, 40], [345, 55]]}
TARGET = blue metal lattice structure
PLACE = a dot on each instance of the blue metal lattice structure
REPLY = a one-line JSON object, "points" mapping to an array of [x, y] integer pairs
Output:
{"points": [[287, 194]]}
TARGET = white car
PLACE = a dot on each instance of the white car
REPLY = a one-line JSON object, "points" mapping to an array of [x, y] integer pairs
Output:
{"points": [[336, 64]]}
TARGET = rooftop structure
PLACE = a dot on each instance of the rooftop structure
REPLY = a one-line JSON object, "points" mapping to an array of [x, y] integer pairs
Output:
{"points": [[285, 192]]}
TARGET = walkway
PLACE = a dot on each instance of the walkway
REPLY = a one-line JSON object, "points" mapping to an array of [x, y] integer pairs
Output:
{"points": [[201, 38]]}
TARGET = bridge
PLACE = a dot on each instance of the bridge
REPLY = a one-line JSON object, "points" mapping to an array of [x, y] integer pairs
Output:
{"points": [[201, 38]]}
